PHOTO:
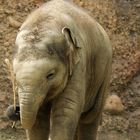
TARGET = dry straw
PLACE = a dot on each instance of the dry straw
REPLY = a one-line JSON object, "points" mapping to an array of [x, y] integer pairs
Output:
{"points": [[9, 66]]}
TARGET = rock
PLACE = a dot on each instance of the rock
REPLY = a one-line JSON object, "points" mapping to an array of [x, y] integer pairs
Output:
{"points": [[114, 105], [39, 2], [2, 97], [13, 22], [9, 12], [138, 6]]}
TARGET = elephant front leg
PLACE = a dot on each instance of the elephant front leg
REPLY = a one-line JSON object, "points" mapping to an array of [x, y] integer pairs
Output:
{"points": [[66, 111], [41, 129], [89, 131]]}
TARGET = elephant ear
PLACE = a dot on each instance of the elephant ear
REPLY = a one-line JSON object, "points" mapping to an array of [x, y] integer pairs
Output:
{"points": [[72, 50]]}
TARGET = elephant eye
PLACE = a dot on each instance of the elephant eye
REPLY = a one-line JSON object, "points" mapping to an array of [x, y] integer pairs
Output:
{"points": [[50, 75]]}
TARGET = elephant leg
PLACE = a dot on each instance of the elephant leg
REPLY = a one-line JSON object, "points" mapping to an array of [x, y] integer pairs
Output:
{"points": [[67, 107], [88, 124], [65, 115], [89, 131], [41, 129], [76, 134]]}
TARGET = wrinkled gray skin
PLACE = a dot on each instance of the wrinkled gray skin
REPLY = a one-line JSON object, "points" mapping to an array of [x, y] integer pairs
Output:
{"points": [[62, 66]]}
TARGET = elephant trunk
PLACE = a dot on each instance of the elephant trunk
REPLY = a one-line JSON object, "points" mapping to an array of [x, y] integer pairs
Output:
{"points": [[28, 110], [32, 89]]}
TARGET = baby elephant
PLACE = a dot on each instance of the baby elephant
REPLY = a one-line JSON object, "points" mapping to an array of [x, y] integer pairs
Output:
{"points": [[62, 66]]}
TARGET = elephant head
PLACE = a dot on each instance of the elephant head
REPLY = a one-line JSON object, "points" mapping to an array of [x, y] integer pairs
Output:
{"points": [[43, 62]]}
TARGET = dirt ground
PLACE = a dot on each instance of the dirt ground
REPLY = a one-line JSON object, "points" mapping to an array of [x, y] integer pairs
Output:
{"points": [[121, 20]]}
